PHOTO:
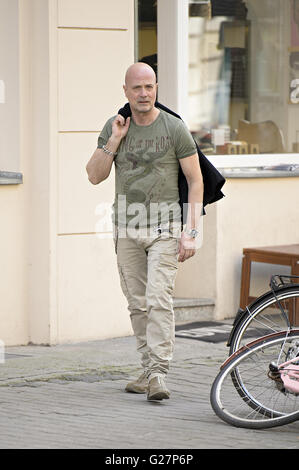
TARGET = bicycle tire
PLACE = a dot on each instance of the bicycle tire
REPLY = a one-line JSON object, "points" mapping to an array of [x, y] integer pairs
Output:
{"points": [[262, 318], [252, 363], [258, 319]]}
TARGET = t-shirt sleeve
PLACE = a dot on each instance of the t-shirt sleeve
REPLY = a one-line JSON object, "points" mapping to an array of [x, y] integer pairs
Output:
{"points": [[106, 133], [183, 141]]}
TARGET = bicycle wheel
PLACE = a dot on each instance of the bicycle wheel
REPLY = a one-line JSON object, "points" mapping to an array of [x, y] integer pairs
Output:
{"points": [[262, 400], [264, 316]]}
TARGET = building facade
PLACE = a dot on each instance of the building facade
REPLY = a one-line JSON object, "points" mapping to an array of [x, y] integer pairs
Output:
{"points": [[229, 68]]}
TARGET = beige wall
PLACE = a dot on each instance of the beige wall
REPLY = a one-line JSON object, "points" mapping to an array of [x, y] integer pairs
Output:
{"points": [[95, 45], [60, 281], [270, 217], [24, 312], [196, 278], [13, 318], [13, 312], [255, 212], [59, 278]]}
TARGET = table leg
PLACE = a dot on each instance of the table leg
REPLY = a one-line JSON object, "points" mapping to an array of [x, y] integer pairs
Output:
{"points": [[245, 280]]}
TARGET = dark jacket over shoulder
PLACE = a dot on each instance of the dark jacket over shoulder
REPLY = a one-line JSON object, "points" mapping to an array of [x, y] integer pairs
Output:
{"points": [[212, 179]]}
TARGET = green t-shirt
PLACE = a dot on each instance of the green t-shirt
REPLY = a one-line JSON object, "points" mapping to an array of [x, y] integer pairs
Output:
{"points": [[146, 170]]}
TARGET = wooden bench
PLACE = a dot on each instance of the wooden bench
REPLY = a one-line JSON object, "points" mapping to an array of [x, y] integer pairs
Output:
{"points": [[287, 255]]}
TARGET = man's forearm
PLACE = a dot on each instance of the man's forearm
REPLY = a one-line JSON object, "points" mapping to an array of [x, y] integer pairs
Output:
{"points": [[195, 205], [188, 244], [99, 166]]}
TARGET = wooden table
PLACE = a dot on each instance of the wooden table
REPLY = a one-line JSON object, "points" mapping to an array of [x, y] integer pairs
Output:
{"points": [[287, 255]]}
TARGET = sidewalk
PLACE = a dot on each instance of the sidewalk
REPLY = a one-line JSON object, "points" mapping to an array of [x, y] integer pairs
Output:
{"points": [[72, 397]]}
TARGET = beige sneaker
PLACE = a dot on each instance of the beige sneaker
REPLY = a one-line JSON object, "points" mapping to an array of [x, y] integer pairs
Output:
{"points": [[157, 389], [139, 385]]}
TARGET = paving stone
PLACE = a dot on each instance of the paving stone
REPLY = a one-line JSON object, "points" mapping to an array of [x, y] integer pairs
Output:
{"points": [[72, 396]]}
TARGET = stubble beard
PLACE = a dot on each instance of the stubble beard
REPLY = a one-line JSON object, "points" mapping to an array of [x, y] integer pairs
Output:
{"points": [[144, 109]]}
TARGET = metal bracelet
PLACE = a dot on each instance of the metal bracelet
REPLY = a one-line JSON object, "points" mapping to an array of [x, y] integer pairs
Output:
{"points": [[112, 154]]}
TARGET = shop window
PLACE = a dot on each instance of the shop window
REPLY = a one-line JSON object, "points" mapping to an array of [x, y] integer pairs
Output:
{"points": [[243, 95], [9, 86], [147, 32]]}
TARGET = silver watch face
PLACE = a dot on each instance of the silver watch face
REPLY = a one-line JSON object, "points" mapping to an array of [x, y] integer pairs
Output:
{"points": [[193, 233]]}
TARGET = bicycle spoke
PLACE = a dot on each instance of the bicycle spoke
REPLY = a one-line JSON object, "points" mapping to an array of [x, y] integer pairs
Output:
{"points": [[267, 323]]}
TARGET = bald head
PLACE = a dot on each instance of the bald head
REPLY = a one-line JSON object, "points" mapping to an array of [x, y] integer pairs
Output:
{"points": [[141, 88], [138, 71]]}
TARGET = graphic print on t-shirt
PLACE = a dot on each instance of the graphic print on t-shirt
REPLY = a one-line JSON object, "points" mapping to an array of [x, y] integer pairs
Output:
{"points": [[143, 165], [147, 166]]}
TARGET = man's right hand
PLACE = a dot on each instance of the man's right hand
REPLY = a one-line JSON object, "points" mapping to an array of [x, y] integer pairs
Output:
{"points": [[120, 127]]}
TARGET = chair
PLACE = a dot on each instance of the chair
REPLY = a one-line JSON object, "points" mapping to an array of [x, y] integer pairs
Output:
{"points": [[266, 134]]}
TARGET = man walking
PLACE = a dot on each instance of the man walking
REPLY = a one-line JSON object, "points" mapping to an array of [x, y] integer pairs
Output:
{"points": [[147, 150]]}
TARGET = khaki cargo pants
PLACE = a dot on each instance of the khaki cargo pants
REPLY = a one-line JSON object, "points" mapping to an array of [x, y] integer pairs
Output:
{"points": [[147, 265]]}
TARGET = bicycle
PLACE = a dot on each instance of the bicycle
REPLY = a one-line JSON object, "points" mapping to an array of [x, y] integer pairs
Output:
{"points": [[255, 388], [270, 313], [258, 386]]}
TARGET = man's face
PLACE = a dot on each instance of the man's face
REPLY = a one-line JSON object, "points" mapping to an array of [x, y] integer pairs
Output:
{"points": [[141, 91]]}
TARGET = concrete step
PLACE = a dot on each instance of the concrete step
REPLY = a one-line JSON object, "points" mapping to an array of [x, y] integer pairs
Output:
{"points": [[188, 310]]}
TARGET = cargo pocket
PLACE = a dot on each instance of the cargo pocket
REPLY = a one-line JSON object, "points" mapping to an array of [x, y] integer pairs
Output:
{"points": [[133, 288]]}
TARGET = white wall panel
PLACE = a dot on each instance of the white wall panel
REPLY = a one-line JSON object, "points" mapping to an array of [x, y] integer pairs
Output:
{"points": [[90, 302], [92, 66], [78, 198], [95, 13]]}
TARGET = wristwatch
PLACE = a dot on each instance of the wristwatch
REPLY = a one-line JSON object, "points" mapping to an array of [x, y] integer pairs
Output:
{"points": [[193, 233]]}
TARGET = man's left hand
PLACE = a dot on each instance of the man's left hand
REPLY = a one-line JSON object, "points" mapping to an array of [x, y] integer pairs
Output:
{"points": [[187, 247]]}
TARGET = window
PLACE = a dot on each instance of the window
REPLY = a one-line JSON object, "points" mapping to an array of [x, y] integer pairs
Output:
{"points": [[243, 92], [9, 86]]}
